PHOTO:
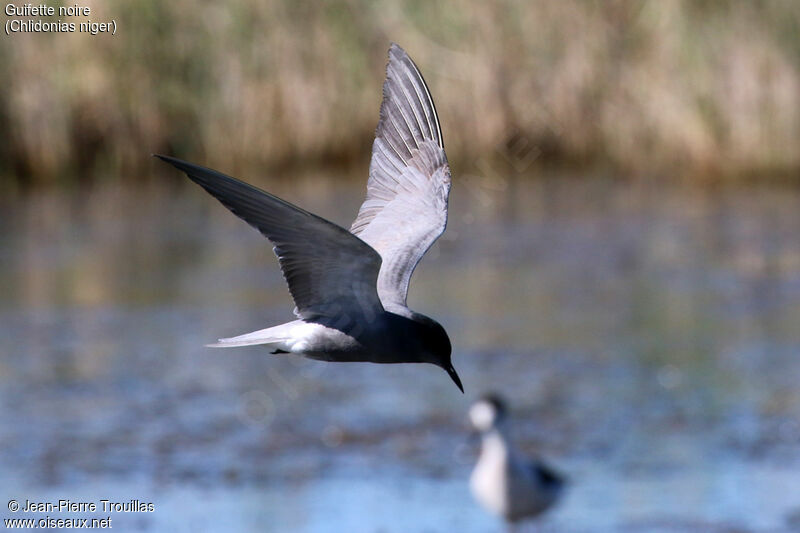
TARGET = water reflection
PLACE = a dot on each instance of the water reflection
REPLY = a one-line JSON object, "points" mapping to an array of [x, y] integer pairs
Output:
{"points": [[651, 333]]}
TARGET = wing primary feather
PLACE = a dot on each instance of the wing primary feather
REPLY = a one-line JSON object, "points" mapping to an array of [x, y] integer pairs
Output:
{"points": [[433, 121], [401, 94], [399, 106], [399, 134], [411, 103]]}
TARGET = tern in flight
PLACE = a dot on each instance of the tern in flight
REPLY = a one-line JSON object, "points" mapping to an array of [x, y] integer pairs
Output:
{"points": [[350, 287]]}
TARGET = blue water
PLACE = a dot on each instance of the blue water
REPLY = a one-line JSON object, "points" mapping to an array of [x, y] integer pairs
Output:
{"points": [[646, 337]]}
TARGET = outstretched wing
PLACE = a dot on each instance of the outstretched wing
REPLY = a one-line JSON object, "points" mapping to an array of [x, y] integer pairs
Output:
{"points": [[331, 273], [405, 210]]}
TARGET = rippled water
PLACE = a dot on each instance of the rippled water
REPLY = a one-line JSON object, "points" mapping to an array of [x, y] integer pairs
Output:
{"points": [[648, 337]]}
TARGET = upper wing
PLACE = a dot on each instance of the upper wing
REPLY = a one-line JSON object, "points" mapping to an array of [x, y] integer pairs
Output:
{"points": [[409, 180], [331, 273]]}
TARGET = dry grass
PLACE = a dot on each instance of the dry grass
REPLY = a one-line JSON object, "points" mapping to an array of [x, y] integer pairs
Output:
{"points": [[672, 87]]}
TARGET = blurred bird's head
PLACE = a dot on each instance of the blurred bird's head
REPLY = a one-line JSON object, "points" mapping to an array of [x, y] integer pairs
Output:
{"points": [[488, 412]]}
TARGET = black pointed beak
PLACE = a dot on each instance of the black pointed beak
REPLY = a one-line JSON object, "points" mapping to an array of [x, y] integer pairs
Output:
{"points": [[454, 376]]}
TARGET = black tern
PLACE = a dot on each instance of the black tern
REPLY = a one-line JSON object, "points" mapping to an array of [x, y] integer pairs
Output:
{"points": [[504, 481], [350, 287]]}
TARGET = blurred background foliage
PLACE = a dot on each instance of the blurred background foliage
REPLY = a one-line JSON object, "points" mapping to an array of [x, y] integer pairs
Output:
{"points": [[669, 89]]}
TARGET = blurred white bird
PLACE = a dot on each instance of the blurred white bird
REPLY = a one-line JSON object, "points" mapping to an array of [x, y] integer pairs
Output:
{"points": [[504, 481]]}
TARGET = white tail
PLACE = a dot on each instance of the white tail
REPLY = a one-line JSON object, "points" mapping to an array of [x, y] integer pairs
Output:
{"points": [[275, 336]]}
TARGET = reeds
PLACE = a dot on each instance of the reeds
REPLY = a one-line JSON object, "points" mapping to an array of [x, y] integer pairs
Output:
{"points": [[672, 88]]}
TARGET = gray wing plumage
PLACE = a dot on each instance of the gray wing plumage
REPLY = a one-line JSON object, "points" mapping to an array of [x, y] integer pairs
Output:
{"points": [[405, 210], [331, 273]]}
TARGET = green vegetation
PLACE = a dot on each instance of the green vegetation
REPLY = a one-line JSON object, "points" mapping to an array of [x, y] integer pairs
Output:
{"points": [[671, 88]]}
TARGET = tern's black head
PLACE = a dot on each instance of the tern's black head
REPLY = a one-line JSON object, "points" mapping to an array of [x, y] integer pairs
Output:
{"points": [[437, 349]]}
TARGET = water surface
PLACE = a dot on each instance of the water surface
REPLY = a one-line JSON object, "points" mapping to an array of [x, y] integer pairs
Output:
{"points": [[647, 337]]}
